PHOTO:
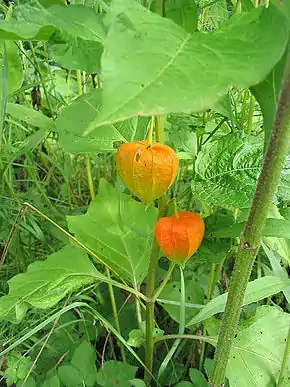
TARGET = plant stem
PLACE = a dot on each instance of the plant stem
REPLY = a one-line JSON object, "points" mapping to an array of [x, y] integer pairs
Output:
{"points": [[115, 312], [89, 175], [164, 282], [159, 123], [41, 79], [160, 7], [251, 237], [285, 361], [149, 345], [181, 326], [209, 294], [150, 134], [250, 115], [244, 107]]}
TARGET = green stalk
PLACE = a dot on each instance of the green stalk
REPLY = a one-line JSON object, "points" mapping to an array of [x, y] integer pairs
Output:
{"points": [[159, 123], [87, 156], [209, 294], [89, 175], [181, 326], [251, 115], [115, 313], [154, 257], [164, 282], [244, 107], [285, 362], [41, 79], [159, 6], [251, 237]]}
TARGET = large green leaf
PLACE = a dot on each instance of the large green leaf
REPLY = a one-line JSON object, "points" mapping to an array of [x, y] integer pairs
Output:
{"points": [[151, 66], [227, 171], [46, 282], [256, 290], [257, 352], [119, 230], [74, 119]]}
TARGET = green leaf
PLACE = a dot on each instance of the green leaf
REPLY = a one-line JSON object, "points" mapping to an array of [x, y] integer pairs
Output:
{"points": [[116, 373], [173, 71], [51, 381], [30, 382], [216, 14], [30, 116], [76, 20], [30, 142], [70, 376], [119, 230], [223, 167], [137, 337], [273, 228], [46, 282], [183, 13], [84, 359], [278, 270], [75, 53], [17, 367], [193, 295], [212, 250], [184, 140], [197, 378], [284, 186], [48, 3], [15, 72], [74, 33], [267, 93], [74, 119], [184, 384], [283, 6], [137, 383], [258, 349], [256, 290]]}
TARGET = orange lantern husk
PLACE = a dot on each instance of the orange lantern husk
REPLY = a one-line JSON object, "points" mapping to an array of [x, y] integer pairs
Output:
{"points": [[180, 236], [147, 169]]}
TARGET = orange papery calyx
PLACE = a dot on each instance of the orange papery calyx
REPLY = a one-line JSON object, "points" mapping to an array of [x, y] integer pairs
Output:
{"points": [[179, 236], [147, 168]]}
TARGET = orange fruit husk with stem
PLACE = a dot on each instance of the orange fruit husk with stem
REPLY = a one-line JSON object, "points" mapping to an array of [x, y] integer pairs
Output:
{"points": [[147, 168], [179, 236]]}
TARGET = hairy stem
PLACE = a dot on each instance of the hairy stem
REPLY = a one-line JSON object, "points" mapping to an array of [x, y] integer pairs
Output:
{"points": [[250, 239]]}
